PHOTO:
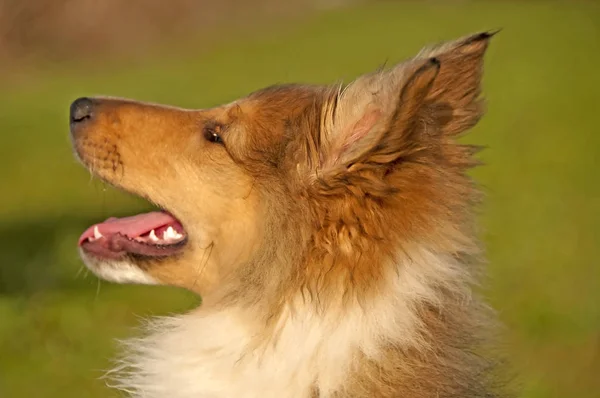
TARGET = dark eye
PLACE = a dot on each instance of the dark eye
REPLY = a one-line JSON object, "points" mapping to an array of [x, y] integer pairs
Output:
{"points": [[212, 135]]}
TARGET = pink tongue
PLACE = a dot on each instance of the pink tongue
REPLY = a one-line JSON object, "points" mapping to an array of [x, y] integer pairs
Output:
{"points": [[132, 226]]}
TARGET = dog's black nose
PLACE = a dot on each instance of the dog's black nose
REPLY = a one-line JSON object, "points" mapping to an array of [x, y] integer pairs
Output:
{"points": [[81, 110]]}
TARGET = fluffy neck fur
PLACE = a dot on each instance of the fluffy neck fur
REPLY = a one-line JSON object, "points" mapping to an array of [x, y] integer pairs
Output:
{"points": [[413, 339]]}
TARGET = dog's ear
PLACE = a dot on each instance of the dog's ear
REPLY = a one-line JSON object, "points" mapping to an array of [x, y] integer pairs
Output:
{"points": [[385, 115]]}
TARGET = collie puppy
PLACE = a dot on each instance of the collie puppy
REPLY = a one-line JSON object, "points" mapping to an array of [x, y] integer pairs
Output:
{"points": [[328, 229]]}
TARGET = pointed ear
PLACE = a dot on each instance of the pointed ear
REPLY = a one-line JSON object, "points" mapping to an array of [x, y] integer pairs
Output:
{"points": [[378, 117], [455, 100]]}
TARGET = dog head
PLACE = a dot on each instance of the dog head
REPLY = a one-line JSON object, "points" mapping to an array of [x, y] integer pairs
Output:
{"points": [[289, 180]]}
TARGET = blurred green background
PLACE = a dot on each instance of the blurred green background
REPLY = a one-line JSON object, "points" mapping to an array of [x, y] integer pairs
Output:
{"points": [[58, 324]]}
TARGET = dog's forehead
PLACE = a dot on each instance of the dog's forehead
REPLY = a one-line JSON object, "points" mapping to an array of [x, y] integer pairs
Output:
{"points": [[283, 101], [268, 110], [271, 105]]}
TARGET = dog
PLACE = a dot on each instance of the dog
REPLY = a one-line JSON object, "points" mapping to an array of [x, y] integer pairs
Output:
{"points": [[329, 230]]}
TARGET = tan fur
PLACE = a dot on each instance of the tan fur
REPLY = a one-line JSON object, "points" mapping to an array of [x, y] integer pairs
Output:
{"points": [[331, 236]]}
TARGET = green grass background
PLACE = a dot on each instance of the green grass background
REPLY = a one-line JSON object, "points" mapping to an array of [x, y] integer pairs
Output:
{"points": [[541, 218]]}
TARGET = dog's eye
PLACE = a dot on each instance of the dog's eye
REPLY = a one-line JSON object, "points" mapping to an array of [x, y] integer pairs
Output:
{"points": [[211, 135]]}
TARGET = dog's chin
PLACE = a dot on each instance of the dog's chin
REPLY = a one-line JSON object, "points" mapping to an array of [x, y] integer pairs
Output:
{"points": [[123, 270]]}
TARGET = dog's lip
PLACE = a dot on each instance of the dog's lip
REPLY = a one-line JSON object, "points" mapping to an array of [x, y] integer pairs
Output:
{"points": [[118, 246], [148, 235]]}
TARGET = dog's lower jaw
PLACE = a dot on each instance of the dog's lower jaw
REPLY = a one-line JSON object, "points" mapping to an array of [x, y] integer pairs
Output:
{"points": [[118, 271], [230, 353]]}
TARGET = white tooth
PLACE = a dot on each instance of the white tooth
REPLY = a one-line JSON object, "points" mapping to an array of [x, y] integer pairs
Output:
{"points": [[174, 235], [171, 232], [97, 234], [91, 239], [153, 236]]}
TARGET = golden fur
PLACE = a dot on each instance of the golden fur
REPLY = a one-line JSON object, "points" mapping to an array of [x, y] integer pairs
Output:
{"points": [[331, 236]]}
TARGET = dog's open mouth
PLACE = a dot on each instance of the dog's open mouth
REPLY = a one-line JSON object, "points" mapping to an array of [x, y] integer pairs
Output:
{"points": [[154, 234]]}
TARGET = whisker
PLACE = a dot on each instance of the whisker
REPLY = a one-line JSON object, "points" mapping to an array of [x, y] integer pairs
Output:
{"points": [[80, 271], [201, 269], [97, 289]]}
